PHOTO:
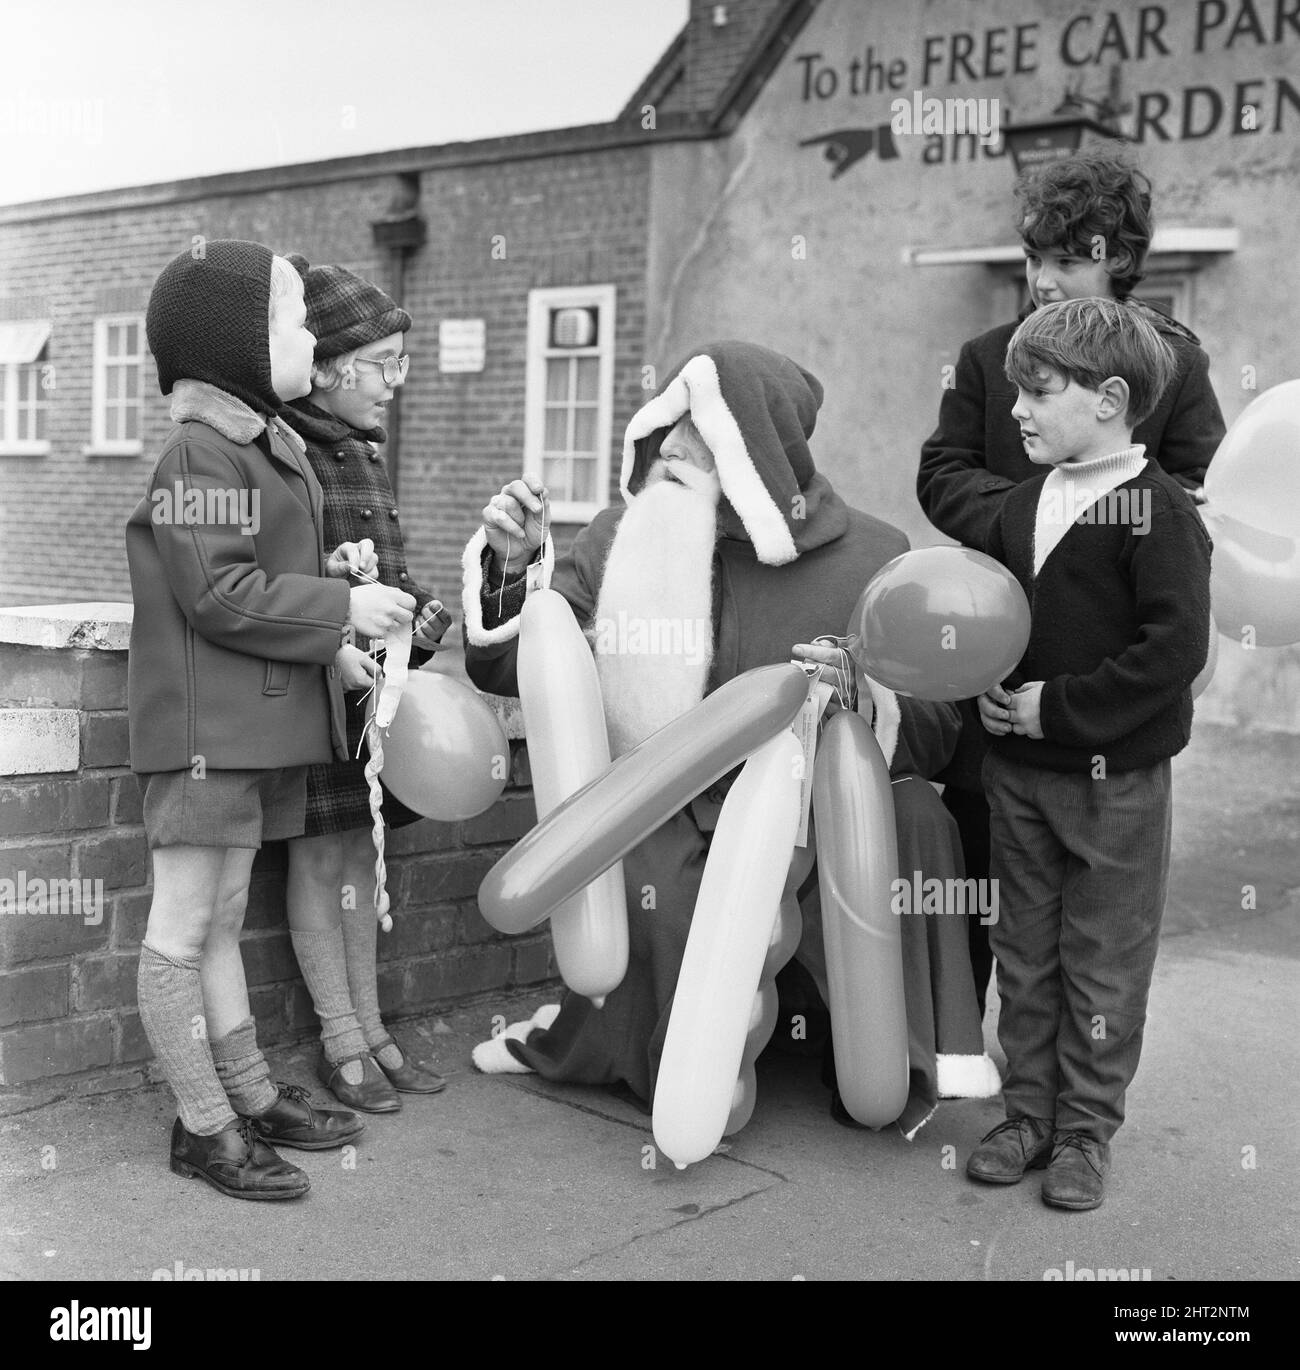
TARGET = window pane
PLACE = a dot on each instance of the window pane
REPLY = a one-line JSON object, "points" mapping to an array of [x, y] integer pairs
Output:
{"points": [[588, 369], [557, 379], [583, 487], [113, 382], [555, 475], [132, 381], [584, 429], [113, 340], [39, 429], [112, 423], [557, 430], [131, 415], [132, 331]]}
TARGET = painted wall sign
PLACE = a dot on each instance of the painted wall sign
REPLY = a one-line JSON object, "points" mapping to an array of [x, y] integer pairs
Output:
{"points": [[914, 94], [462, 344]]}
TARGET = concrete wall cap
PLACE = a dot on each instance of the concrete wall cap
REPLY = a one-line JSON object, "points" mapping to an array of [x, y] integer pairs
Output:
{"points": [[104, 626]]}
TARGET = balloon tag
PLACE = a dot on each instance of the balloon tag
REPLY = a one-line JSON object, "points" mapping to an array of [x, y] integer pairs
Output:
{"points": [[805, 729], [533, 578]]}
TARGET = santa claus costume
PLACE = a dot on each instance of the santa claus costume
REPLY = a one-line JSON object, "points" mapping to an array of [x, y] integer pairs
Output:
{"points": [[741, 565]]}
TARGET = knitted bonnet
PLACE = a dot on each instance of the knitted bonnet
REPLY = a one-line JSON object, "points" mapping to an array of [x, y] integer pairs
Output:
{"points": [[209, 320]]}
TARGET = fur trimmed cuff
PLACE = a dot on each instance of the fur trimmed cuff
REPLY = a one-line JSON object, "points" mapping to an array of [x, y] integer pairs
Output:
{"points": [[493, 1056], [474, 590], [967, 1077], [908, 1128]]}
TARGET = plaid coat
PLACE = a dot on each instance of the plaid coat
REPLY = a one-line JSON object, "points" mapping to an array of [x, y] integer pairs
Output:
{"points": [[359, 503]]}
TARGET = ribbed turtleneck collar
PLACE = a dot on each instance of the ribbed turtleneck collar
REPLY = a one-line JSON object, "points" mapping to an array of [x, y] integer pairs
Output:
{"points": [[1104, 472], [1072, 488]]}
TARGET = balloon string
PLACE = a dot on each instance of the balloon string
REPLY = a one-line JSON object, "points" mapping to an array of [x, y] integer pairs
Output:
{"points": [[505, 570], [505, 573], [374, 765]]}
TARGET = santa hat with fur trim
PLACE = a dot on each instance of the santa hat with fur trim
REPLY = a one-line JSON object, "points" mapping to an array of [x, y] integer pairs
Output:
{"points": [[756, 411]]}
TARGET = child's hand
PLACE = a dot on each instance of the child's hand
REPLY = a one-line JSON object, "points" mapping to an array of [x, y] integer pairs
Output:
{"points": [[375, 610], [428, 629], [995, 711], [357, 669], [513, 520], [1025, 702], [352, 556]]}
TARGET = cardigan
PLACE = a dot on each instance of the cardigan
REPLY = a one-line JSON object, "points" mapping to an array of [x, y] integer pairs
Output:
{"points": [[975, 458], [1119, 625]]}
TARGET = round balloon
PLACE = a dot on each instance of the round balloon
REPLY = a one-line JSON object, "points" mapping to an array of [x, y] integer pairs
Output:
{"points": [[445, 754], [1255, 474], [1254, 583], [941, 623]]}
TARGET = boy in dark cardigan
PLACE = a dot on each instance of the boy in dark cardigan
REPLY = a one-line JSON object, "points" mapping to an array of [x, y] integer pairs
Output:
{"points": [[1086, 226], [1116, 564]]}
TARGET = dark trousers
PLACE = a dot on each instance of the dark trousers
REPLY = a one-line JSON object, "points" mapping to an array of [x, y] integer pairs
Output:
{"points": [[1081, 867], [971, 812]]}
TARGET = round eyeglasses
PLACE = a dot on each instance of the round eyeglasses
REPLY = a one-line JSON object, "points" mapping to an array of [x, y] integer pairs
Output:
{"points": [[394, 368]]}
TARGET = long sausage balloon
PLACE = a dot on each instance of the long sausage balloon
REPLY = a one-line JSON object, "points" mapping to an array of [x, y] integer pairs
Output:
{"points": [[604, 820], [857, 862], [731, 930], [568, 746]]}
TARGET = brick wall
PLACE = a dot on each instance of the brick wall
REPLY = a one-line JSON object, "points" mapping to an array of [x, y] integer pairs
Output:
{"points": [[579, 219], [572, 219], [62, 515], [70, 810]]}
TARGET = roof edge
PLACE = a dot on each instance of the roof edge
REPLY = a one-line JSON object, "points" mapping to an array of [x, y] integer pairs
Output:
{"points": [[769, 47], [485, 151]]}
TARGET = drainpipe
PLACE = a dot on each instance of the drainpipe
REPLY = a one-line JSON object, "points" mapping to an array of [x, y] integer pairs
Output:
{"points": [[397, 234]]}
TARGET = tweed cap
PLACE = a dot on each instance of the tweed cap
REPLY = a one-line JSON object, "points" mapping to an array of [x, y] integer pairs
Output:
{"points": [[344, 310]]}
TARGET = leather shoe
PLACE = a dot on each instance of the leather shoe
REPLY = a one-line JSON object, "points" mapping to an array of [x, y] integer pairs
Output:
{"points": [[1014, 1146], [409, 1077], [292, 1121], [372, 1095], [1077, 1175], [237, 1162]]}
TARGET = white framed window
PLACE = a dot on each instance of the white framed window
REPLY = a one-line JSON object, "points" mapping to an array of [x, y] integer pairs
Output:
{"points": [[117, 392], [26, 382], [569, 396]]}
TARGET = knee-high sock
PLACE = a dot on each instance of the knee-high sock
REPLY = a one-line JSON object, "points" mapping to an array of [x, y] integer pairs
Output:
{"points": [[171, 1011], [323, 961], [243, 1071], [360, 932]]}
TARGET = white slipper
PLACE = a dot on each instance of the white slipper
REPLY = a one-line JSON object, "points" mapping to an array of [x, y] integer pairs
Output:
{"points": [[493, 1056]]}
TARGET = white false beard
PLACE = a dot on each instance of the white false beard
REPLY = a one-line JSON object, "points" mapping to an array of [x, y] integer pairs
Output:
{"points": [[653, 634]]}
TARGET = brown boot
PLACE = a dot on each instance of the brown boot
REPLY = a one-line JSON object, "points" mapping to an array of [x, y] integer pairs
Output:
{"points": [[1017, 1145], [1077, 1175]]}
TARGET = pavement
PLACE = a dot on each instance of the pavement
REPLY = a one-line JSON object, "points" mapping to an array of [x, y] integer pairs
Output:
{"points": [[508, 1177]]}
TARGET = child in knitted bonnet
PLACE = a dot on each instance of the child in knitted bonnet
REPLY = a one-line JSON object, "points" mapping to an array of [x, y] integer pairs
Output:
{"points": [[238, 620]]}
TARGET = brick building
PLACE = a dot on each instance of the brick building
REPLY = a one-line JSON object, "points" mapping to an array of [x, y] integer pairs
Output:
{"points": [[752, 187]]}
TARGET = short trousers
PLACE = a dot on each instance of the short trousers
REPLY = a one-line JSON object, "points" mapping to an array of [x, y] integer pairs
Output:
{"points": [[225, 808]]}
